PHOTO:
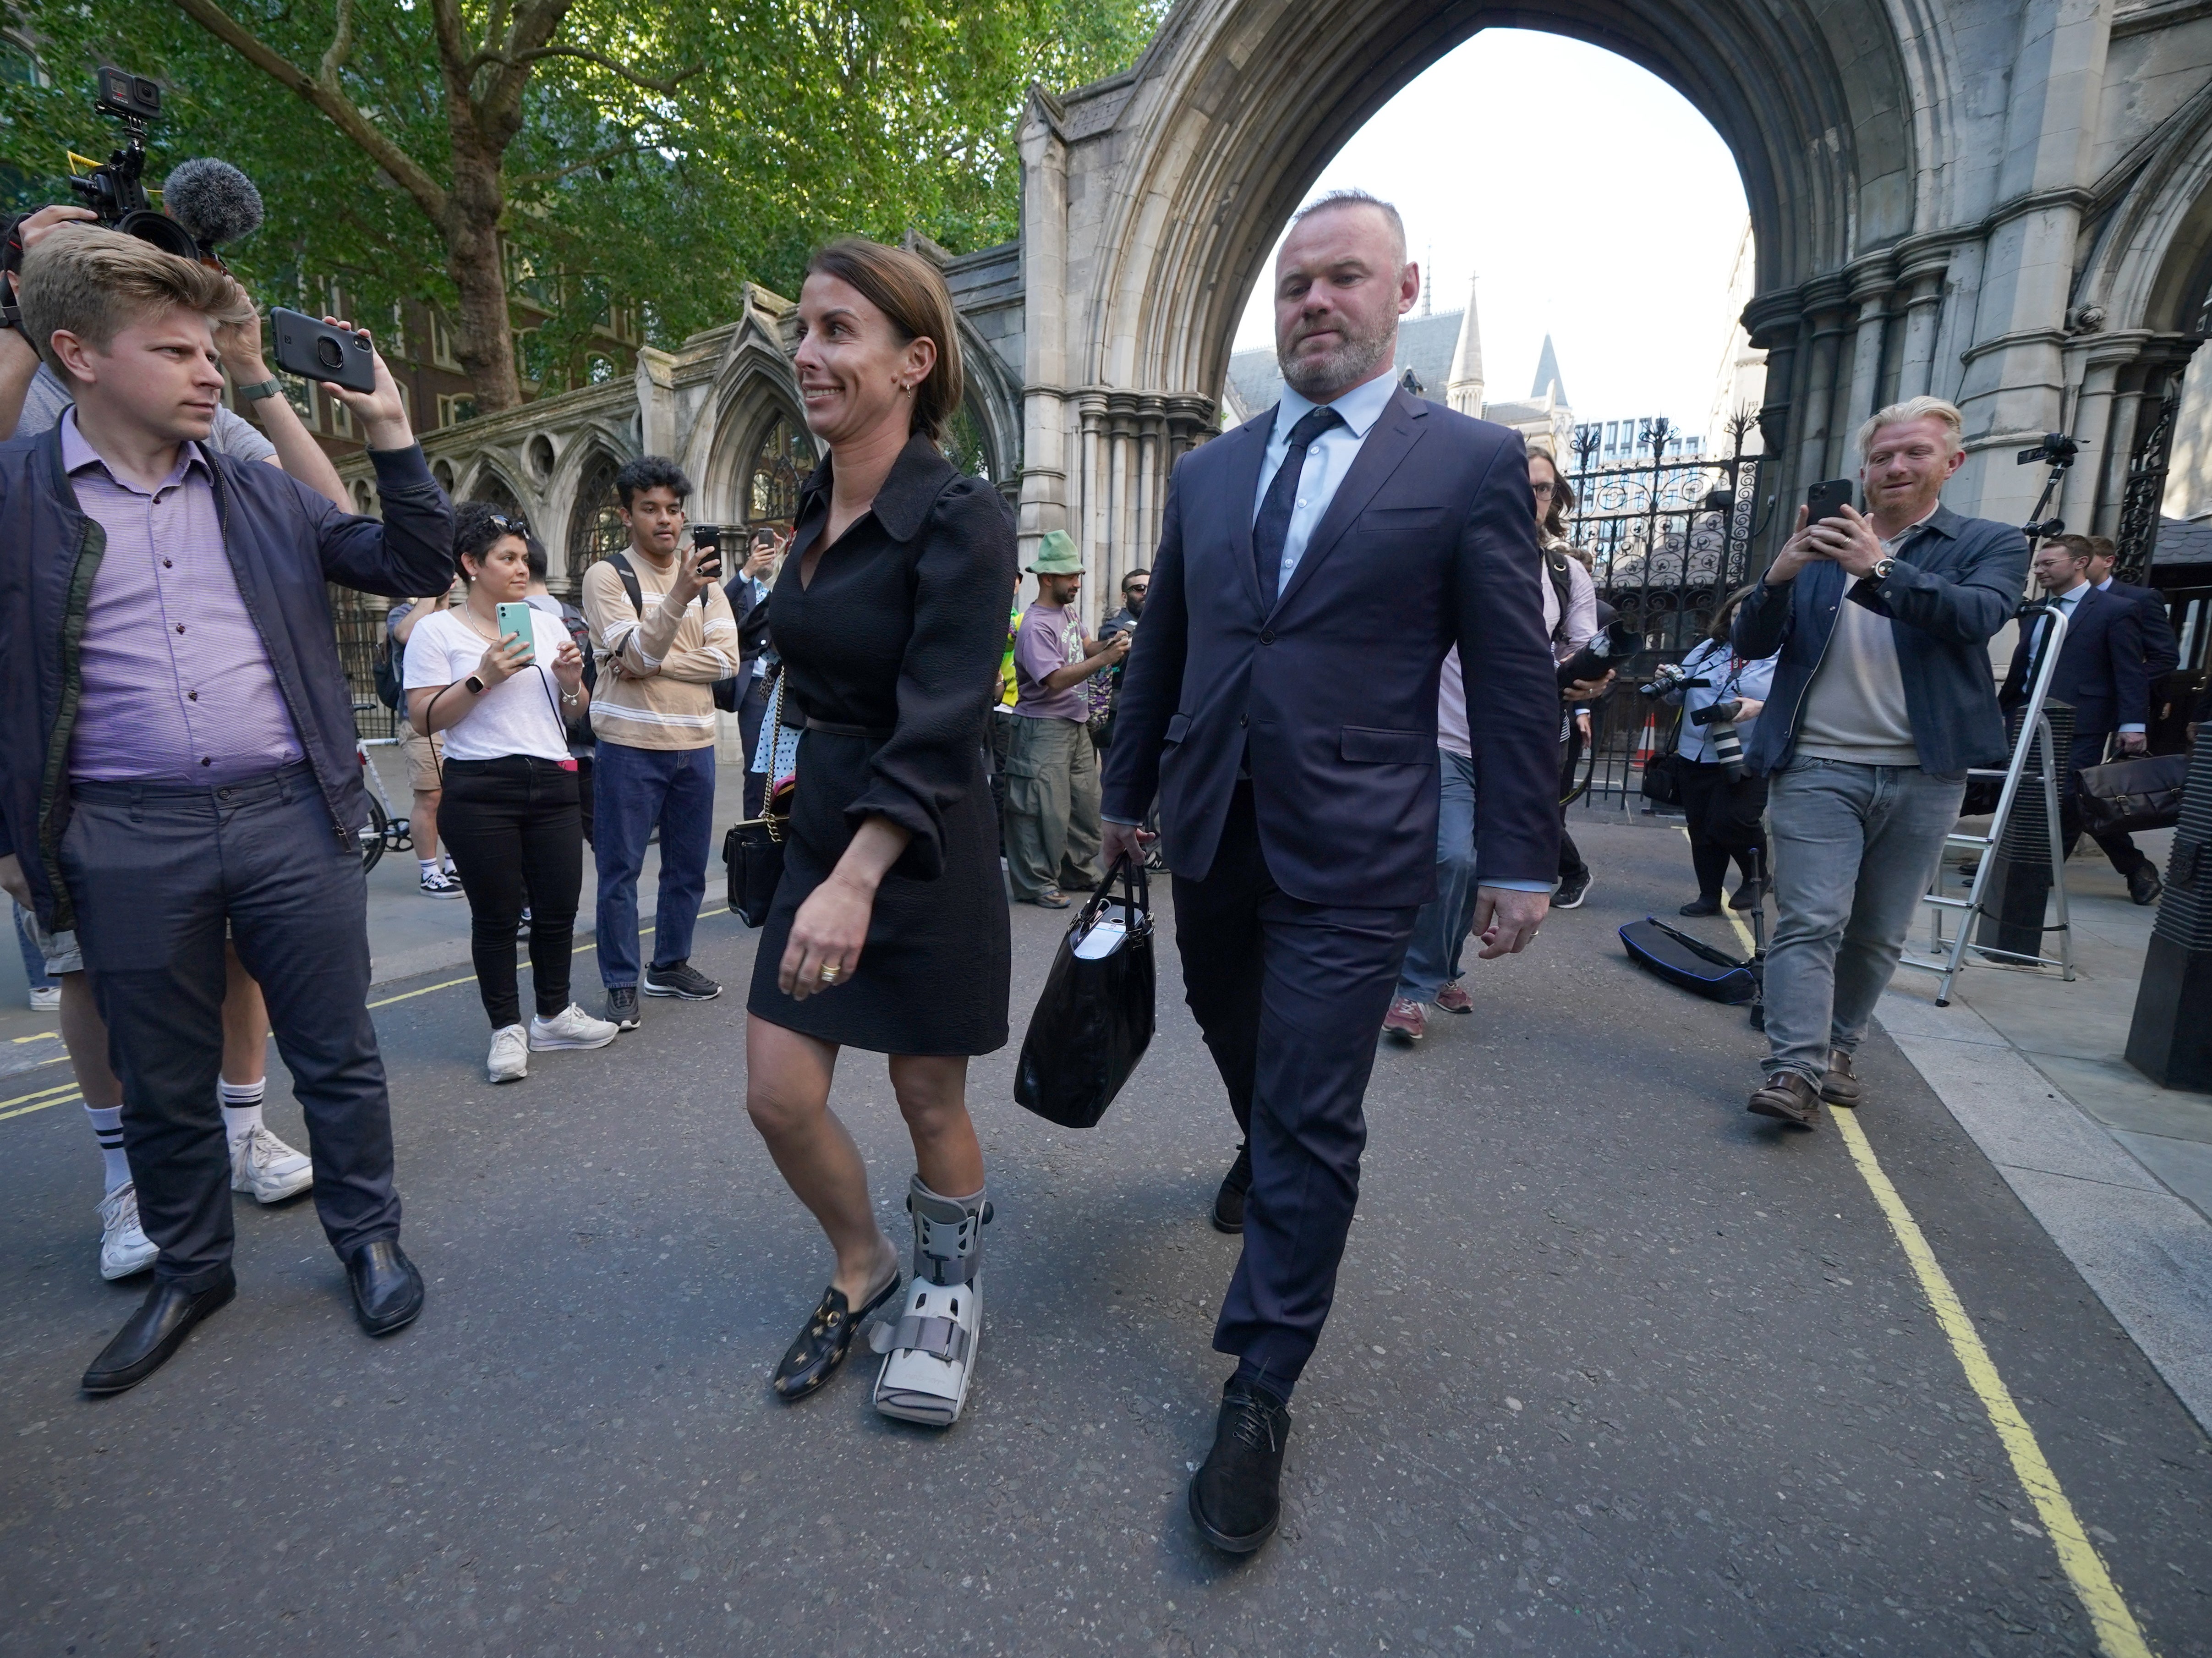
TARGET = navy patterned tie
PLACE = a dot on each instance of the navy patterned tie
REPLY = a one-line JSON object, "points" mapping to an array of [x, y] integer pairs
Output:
{"points": [[1273, 526]]}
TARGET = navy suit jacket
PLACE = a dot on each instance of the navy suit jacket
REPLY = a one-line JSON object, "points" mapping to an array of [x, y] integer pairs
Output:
{"points": [[1431, 542], [2101, 671], [2161, 654]]}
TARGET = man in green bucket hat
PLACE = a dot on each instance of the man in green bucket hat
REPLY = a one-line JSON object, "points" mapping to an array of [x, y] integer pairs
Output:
{"points": [[1052, 770]]}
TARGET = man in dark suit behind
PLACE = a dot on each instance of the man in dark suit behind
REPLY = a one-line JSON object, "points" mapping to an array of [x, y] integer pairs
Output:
{"points": [[1315, 566], [2103, 674], [2161, 655]]}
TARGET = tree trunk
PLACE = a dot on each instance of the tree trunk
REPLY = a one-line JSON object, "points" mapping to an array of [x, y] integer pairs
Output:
{"points": [[483, 341]]}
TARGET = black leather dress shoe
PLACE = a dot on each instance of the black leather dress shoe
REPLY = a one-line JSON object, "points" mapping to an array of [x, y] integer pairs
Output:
{"points": [[2143, 884], [1229, 1202], [1237, 1495], [388, 1290], [156, 1331]]}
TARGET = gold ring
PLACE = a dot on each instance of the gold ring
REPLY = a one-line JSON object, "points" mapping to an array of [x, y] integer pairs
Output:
{"points": [[828, 972]]}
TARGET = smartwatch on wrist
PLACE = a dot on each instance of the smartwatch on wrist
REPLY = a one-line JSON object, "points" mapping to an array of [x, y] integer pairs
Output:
{"points": [[474, 685]]}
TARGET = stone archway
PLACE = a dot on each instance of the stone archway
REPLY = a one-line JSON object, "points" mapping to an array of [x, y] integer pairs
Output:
{"points": [[1928, 182]]}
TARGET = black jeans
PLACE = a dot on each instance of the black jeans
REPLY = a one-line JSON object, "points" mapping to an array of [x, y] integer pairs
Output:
{"points": [[1571, 858], [517, 835], [156, 871], [1724, 822]]}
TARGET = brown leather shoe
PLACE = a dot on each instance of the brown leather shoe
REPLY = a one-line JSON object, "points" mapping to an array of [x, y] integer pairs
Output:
{"points": [[1790, 1097], [1841, 1086]]}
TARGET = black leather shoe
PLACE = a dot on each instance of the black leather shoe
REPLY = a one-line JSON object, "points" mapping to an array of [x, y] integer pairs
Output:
{"points": [[156, 1331], [814, 1357], [1700, 906], [388, 1290], [2143, 884], [1229, 1202], [1237, 1495]]}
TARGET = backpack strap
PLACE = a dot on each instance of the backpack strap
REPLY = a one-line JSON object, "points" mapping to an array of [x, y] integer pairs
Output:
{"points": [[1555, 566]]}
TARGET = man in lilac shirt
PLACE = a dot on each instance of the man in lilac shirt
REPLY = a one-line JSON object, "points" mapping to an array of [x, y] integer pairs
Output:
{"points": [[176, 756], [1052, 770]]}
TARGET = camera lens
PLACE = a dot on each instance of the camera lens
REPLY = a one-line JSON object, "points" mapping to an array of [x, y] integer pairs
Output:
{"points": [[327, 353]]}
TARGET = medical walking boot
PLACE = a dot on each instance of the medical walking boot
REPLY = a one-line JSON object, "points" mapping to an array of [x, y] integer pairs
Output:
{"points": [[929, 1352]]}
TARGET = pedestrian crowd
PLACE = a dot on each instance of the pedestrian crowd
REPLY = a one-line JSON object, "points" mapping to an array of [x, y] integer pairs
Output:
{"points": [[1343, 707]]}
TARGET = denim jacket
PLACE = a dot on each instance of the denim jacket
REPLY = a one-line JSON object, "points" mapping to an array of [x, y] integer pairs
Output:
{"points": [[1956, 581]]}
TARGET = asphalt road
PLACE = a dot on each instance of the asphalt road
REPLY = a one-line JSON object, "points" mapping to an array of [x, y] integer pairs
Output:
{"points": [[1614, 1367]]}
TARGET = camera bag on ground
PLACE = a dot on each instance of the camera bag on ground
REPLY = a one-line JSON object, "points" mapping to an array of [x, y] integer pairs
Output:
{"points": [[2131, 796], [1094, 1020], [1688, 963]]}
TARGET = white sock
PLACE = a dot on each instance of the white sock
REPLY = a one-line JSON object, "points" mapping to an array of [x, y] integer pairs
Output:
{"points": [[107, 1129], [428, 866], [241, 1107]]}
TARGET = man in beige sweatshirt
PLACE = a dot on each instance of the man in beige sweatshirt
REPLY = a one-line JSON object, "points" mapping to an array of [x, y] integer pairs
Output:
{"points": [[653, 713]]}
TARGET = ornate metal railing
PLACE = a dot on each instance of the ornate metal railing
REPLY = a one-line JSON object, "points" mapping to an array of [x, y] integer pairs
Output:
{"points": [[1667, 539]]}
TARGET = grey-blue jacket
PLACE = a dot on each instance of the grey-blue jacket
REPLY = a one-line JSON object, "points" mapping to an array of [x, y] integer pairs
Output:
{"points": [[1955, 582], [285, 542]]}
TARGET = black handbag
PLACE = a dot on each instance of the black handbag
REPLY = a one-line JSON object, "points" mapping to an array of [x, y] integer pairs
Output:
{"points": [[2132, 795], [753, 852], [1094, 1020], [1688, 963], [1662, 772]]}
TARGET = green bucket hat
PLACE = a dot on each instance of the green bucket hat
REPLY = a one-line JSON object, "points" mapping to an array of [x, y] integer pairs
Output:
{"points": [[1056, 554]]}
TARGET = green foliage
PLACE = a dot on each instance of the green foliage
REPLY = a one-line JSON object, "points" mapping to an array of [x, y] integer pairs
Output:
{"points": [[803, 118]]}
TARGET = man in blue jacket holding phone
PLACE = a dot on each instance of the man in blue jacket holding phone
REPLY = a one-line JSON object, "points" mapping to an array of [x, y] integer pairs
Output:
{"points": [[1882, 700], [177, 758]]}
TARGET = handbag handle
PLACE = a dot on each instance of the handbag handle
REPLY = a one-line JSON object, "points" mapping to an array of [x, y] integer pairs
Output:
{"points": [[1136, 895]]}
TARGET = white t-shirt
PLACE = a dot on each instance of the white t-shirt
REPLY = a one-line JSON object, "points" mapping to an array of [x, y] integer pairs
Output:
{"points": [[516, 717]]}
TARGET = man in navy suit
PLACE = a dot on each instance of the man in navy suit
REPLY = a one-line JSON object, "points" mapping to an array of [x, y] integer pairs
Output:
{"points": [[2103, 674], [1314, 566], [2161, 655]]}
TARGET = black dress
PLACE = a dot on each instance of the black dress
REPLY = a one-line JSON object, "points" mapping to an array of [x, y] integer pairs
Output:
{"points": [[896, 640]]}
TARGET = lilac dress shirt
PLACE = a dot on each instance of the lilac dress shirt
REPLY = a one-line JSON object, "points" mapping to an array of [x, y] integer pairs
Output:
{"points": [[178, 684]]}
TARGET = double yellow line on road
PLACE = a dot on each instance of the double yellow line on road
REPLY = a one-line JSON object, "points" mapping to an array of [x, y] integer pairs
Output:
{"points": [[2117, 1633]]}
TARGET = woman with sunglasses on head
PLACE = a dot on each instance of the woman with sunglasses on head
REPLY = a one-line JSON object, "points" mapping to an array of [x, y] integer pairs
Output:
{"points": [[509, 816]]}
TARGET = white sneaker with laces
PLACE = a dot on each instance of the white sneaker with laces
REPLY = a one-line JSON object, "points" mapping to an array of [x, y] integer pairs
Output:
{"points": [[124, 1248], [263, 1165], [510, 1055], [45, 998], [572, 1028]]}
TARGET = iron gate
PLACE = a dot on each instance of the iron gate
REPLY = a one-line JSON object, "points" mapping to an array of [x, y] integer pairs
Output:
{"points": [[1667, 541]]}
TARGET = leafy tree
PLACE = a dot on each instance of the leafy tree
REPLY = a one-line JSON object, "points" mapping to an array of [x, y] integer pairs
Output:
{"points": [[656, 151]]}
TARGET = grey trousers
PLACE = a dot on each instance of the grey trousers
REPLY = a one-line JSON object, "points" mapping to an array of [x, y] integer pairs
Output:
{"points": [[156, 870], [1855, 847], [1052, 806]]}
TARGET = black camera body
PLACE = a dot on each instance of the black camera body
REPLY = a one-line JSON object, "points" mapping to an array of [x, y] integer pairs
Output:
{"points": [[2057, 449], [116, 189]]}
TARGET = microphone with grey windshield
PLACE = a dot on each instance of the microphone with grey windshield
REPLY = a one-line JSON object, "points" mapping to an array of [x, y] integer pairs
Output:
{"points": [[214, 202]]}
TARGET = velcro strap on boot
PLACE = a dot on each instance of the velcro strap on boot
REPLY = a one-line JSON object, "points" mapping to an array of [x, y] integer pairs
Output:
{"points": [[947, 1236], [941, 1338]]}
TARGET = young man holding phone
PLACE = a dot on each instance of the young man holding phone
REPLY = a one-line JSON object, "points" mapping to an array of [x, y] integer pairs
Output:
{"points": [[1882, 699], [653, 714], [178, 756]]}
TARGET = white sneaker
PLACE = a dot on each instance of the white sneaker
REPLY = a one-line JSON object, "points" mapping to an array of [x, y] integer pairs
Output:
{"points": [[510, 1055], [46, 1000], [124, 1248], [263, 1165], [571, 1027]]}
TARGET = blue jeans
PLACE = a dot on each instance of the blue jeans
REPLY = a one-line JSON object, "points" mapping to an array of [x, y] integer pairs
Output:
{"points": [[1855, 847], [1432, 958], [634, 789]]}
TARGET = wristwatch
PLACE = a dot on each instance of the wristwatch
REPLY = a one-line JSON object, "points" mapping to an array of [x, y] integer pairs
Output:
{"points": [[474, 685], [1881, 568], [259, 389]]}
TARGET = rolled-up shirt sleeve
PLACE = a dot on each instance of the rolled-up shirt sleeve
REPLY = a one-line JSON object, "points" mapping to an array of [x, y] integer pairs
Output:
{"points": [[962, 571]]}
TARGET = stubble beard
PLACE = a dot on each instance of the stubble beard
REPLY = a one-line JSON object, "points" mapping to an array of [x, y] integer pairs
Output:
{"points": [[1351, 363]]}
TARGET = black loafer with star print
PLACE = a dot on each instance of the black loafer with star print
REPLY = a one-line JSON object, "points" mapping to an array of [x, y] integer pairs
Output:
{"points": [[822, 1345]]}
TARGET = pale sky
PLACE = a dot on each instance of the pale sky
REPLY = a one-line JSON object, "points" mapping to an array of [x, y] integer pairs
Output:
{"points": [[1592, 201]]}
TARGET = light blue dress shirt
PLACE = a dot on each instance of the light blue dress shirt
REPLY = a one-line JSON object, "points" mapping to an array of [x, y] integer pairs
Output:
{"points": [[1329, 458]]}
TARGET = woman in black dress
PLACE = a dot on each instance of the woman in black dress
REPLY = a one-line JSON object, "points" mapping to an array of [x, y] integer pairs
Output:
{"points": [[889, 931]]}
